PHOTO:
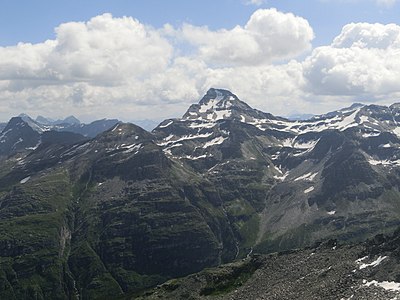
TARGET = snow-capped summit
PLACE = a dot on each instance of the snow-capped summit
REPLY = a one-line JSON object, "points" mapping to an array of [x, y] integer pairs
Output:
{"points": [[221, 99], [218, 104], [221, 118]]}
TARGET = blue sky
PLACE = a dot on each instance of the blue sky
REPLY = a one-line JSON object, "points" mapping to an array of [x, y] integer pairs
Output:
{"points": [[282, 60], [34, 21]]}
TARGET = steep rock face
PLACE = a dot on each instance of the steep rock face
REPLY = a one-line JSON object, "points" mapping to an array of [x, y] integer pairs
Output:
{"points": [[127, 217], [218, 139], [279, 180], [146, 221], [62, 138], [17, 136], [2, 126], [22, 134], [33, 213]]}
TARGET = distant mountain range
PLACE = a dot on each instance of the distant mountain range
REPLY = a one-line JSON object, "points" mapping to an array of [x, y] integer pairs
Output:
{"points": [[108, 208], [22, 132], [47, 121]]}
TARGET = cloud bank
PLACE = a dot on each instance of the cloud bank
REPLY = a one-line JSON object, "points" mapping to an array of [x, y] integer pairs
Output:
{"points": [[268, 36], [119, 67], [362, 60]]}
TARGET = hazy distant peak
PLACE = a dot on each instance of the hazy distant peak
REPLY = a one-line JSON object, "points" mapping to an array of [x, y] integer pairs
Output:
{"points": [[71, 120]]}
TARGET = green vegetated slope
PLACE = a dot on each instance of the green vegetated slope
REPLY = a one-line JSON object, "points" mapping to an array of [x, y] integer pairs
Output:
{"points": [[106, 217], [35, 234]]}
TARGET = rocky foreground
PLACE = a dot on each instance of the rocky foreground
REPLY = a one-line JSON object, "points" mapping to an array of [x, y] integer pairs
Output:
{"points": [[328, 271]]}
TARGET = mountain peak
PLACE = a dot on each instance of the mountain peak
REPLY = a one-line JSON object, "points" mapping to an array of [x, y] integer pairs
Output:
{"points": [[32, 123], [215, 105], [44, 120], [17, 136], [221, 98], [124, 135], [15, 122], [214, 93], [71, 120], [356, 105], [24, 117]]}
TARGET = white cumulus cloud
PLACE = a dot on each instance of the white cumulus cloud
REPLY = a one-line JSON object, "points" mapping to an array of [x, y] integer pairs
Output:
{"points": [[362, 60], [269, 35], [105, 49], [96, 66], [119, 67]]}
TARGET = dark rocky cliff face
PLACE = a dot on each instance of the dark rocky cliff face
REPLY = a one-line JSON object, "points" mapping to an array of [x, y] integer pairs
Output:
{"points": [[127, 217], [17, 136], [88, 218]]}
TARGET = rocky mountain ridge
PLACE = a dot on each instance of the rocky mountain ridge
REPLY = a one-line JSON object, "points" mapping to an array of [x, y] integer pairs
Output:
{"points": [[124, 210], [23, 133], [335, 169]]}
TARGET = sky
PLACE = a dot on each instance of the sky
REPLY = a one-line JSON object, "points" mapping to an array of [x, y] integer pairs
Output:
{"points": [[151, 59]]}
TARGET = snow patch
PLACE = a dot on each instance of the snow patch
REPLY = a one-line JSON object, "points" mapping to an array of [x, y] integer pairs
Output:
{"points": [[34, 147], [310, 189], [386, 162], [348, 121], [221, 114], [363, 119], [168, 141], [287, 143], [217, 141], [361, 259], [308, 177], [370, 134], [4, 134], [166, 125], [306, 145], [281, 177], [132, 148], [396, 131], [210, 104], [195, 157], [202, 125], [385, 146], [20, 140], [25, 180], [374, 263], [387, 285], [174, 146]]}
